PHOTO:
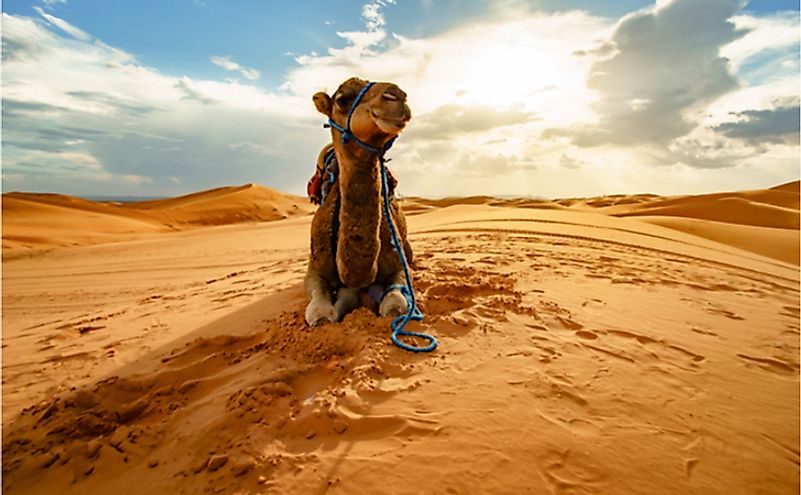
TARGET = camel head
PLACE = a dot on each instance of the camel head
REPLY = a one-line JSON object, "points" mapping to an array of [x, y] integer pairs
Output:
{"points": [[380, 116]]}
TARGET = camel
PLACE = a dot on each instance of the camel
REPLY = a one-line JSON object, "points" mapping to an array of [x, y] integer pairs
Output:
{"points": [[351, 247]]}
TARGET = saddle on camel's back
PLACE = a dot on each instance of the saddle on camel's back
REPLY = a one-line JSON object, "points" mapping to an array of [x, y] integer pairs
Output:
{"points": [[326, 174]]}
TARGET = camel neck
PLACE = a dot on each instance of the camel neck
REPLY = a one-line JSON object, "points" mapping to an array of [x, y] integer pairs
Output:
{"points": [[358, 243]]}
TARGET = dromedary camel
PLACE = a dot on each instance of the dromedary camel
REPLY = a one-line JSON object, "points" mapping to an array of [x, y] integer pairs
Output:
{"points": [[351, 247]]}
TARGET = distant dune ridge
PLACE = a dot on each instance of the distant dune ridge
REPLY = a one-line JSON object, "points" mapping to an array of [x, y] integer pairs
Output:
{"points": [[764, 221], [618, 344]]}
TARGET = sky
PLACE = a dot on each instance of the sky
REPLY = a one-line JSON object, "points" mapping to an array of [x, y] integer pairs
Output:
{"points": [[510, 98]]}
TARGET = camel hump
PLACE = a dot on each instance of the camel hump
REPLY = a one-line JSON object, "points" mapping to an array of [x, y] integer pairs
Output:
{"points": [[321, 157], [318, 186]]}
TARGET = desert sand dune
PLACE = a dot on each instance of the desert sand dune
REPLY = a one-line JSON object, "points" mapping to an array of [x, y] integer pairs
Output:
{"points": [[582, 350], [793, 186], [779, 243], [777, 207], [28, 218]]}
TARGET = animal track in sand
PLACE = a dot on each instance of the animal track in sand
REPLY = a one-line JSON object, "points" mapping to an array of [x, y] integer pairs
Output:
{"points": [[771, 364], [570, 472], [751, 279], [789, 452], [647, 348], [791, 311], [716, 310], [578, 426]]}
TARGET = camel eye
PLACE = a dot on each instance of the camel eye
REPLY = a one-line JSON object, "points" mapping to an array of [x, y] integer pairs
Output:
{"points": [[342, 101]]}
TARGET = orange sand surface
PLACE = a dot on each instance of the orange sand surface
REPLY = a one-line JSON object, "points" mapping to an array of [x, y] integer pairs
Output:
{"points": [[616, 345]]}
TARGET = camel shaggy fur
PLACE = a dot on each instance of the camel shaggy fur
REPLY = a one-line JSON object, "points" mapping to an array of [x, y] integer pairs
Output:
{"points": [[350, 238]]}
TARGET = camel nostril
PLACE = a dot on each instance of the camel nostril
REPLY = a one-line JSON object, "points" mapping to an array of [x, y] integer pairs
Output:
{"points": [[389, 96]]}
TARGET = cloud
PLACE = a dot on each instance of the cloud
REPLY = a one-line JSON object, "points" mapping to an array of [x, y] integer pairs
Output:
{"points": [[189, 93], [778, 125], [374, 22], [63, 25], [449, 121], [665, 66], [246, 147], [569, 162], [776, 34], [135, 179], [98, 115], [229, 65]]}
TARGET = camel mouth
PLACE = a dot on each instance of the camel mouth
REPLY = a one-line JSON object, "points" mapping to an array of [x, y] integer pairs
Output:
{"points": [[389, 125]]}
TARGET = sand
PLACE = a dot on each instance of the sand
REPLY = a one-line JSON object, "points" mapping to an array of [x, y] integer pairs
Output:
{"points": [[616, 345]]}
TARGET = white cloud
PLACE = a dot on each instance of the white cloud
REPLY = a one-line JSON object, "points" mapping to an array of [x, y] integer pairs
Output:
{"points": [[246, 147], [775, 32], [363, 42], [63, 25], [135, 179], [229, 65]]}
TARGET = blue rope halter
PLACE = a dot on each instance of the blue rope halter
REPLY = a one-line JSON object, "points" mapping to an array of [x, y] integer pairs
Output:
{"points": [[413, 313]]}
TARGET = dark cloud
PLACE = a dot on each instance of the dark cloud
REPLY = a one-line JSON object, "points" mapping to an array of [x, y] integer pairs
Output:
{"points": [[119, 105], [16, 108], [52, 128], [779, 125], [666, 62], [36, 126], [191, 94], [569, 162], [697, 154], [449, 121], [601, 51]]}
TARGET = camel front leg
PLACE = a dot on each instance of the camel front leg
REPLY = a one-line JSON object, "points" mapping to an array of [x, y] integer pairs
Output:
{"points": [[347, 300], [320, 310], [393, 303]]}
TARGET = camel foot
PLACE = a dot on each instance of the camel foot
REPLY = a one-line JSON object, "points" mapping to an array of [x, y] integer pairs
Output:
{"points": [[320, 313], [394, 304]]}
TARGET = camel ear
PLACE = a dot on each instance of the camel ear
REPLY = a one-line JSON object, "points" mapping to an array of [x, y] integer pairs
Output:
{"points": [[323, 103]]}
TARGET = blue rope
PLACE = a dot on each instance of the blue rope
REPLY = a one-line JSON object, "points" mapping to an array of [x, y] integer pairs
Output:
{"points": [[413, 313]]}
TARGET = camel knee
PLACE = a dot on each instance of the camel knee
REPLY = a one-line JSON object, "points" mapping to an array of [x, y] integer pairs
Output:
{"points": [[393, 304], [320, 312], [320, 309]]}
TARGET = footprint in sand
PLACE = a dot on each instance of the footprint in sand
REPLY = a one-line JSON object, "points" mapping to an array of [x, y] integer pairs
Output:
{"points": [[586, 335], [571, 472], [771, 364], [579, 426], [644, 348]]}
